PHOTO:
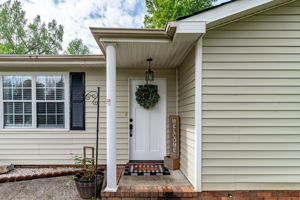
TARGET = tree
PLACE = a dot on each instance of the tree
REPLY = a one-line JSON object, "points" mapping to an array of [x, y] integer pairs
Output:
{"points": [[18, 37], [44, 39], [76, 47], [5, 49], [162, 11], [35, 38], [12, 27]]}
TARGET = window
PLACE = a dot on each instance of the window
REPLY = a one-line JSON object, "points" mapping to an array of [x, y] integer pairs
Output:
{"points": [[17, 100], [33, 101], [50, 101]]}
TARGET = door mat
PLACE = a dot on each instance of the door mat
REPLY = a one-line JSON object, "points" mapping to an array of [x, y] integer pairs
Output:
{"points": [[145, 169]]}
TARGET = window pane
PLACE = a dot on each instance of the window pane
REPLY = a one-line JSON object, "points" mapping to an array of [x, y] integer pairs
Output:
{"points": [[59, 81], [51, 120], [50, 95], [7, 94], [60, 120], [17, 94], [41, 120], [8, 108], [18, 108], [40, 94], [17, 114], [17, 81], [8, 120], [50, 114], [51, 108], [59, 94], [41, 81], [27, 82], [16, 87], [7, 81], [28, 120], [18, 120], [27, 94], [50, 81], [41, 108], [60, 108], [50, 88], [27, 108]]}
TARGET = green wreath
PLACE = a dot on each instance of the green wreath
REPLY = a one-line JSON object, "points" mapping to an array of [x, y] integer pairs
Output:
{"points": [[147, 96]]}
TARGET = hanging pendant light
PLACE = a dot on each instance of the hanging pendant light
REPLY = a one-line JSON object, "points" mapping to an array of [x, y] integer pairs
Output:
{"points": [[149, 74]]}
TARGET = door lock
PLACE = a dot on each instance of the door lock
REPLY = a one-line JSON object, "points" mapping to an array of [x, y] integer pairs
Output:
{"points": [[130, 127]]}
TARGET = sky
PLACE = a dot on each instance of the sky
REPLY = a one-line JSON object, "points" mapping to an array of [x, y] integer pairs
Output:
{"points": [[78, 15]]}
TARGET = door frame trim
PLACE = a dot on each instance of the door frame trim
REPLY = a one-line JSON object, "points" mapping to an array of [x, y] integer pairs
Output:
{"points": [[164, 150]]}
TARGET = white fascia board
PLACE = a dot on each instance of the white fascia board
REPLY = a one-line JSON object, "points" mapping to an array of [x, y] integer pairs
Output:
{"points": [[190, 27], [50, 64], [134, 40], [231, 9]]}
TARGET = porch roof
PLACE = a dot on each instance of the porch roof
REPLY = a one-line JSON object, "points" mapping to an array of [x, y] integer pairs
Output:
{"points": [[168, 47]]}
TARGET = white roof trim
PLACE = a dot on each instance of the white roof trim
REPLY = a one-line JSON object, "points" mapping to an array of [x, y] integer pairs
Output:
{"points": [[238, 7], [52, 64], [190, 27]]}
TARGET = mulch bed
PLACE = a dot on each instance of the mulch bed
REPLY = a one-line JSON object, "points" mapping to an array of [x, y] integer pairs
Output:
{"points": [[20, 174]]}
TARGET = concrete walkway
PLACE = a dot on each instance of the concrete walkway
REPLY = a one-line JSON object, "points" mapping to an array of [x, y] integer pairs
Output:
{"points": [[39, 189]]}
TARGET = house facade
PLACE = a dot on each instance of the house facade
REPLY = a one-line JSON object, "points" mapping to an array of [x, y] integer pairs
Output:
{"points": [[231, 73]]}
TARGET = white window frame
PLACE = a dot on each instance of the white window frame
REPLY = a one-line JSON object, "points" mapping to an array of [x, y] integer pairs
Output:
{"points": [[34, 127]]}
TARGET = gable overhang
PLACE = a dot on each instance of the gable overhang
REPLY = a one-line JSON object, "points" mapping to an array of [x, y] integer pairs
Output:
{"points": [[232, 11], [167, 47], [59, 61]]}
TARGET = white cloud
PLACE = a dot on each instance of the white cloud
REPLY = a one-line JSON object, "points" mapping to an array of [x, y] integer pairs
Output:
{"points": [[78, 15]]}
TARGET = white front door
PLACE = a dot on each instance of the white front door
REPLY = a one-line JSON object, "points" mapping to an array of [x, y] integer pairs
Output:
{"points": [[148, 127]]}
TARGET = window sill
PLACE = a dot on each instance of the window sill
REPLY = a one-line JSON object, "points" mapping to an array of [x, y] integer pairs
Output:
{"points": [[34, 130]]}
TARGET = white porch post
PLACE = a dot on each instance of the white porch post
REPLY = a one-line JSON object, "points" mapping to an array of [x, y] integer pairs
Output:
{"points": [[198, 115], [111, 117]]}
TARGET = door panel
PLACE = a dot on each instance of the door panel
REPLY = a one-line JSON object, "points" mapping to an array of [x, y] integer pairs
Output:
{"points": [[148, 140]]}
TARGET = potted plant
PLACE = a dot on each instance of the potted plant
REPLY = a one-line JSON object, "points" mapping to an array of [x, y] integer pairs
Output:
{"points": [[85, 179]]}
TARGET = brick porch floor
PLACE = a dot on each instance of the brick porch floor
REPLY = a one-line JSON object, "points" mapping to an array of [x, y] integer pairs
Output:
{"points": [[136, 192]]}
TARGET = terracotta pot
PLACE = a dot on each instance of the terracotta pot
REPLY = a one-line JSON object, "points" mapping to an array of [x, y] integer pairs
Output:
{"points": [[86, 188]]}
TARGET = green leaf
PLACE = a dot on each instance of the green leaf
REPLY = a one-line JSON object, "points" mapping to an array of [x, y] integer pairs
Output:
{"points": [[162, 11], [76, 47]]}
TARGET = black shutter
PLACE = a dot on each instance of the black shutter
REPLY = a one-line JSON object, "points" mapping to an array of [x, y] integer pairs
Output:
{"points": [[77, 101]]}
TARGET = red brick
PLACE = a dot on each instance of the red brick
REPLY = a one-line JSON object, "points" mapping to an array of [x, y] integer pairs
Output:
{"points": [[271, 198], [288, 198], [264, 194]]}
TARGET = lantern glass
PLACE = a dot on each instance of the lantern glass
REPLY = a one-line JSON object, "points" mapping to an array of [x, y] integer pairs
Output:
{"points": [[149, 75]]}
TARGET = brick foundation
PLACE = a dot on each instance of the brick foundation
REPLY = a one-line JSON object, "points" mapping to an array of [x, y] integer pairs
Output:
{"points": [[251, 195], [181, 193]]}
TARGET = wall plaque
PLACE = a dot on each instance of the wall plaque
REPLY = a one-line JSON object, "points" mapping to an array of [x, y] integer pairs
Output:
{"points": [[174, 135]]}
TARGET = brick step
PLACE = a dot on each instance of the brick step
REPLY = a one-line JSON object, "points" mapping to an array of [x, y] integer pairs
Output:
{"points": [[152, 192], [149, 198]]}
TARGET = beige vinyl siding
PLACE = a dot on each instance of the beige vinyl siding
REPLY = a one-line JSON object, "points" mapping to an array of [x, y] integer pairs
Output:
{"points": [[251, 103], [186, 110], [59, 147]]}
